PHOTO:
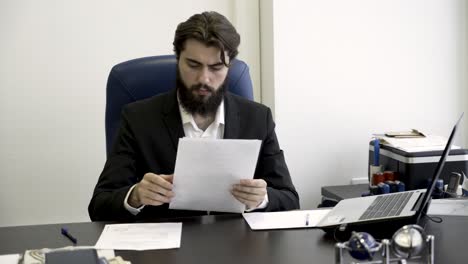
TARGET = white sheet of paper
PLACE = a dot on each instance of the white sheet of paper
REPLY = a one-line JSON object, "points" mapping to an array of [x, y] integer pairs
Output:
{"points": [[285, 219], [9, 259], [140, 236], [206, 170], [448, 207], [428, 143]]}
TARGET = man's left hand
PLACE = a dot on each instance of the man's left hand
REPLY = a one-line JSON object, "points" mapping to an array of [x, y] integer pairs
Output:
{"points": [[250, 192]]}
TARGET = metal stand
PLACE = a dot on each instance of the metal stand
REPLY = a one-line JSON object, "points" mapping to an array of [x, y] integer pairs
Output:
{"points": [[383, 254]]}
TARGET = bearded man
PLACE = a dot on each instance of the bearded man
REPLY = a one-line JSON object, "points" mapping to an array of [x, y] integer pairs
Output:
{"points": [[136, 182]]}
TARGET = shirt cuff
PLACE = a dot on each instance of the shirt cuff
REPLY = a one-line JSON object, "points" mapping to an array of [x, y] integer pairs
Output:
{"points": [[132, 210], [263, 205]]}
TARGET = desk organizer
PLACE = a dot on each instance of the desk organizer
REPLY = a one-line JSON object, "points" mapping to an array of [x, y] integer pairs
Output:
{"points": [[363, 249]]}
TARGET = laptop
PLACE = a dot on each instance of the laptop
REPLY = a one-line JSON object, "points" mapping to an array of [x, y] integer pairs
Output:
{"points": [[381, 215]]}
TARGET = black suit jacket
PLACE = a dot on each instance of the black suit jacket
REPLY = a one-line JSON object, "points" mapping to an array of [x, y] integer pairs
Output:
{"points": [[147, 142]]}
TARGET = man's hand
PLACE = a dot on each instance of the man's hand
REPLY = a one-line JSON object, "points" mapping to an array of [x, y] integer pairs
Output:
{"points": [[153, 189], [250, 192]]}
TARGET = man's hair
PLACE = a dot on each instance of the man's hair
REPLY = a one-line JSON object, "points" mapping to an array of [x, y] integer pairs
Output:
{"points": [[210, 28]]}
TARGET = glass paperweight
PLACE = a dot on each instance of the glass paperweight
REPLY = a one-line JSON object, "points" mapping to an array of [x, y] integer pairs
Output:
{"points": [[409, 244]]}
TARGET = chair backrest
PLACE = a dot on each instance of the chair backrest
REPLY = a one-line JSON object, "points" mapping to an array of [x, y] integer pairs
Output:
{"points": [[141, 78]]}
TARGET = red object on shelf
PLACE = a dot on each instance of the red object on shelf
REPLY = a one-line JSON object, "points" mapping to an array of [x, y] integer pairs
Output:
{"points": [[389, 175], [378, 178]]}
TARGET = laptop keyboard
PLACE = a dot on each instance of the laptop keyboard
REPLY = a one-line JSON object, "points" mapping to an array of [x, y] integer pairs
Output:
{"points": [[386, 205]]}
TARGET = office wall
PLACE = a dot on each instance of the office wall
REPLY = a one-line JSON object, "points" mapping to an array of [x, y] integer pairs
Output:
{"points": [[55, 58], [465, 66], [346, 69]]}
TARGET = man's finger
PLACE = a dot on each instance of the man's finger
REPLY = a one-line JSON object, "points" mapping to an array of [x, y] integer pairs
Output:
{"points": [[253, 182], [248, 197], [250, 190], [148, 200], [155, 199], [248, 203], [159, 180], [161, 191], [168, 178]]}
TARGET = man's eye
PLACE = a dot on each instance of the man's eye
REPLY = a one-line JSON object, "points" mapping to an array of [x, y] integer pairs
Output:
{"points": [[216, 68], [193, 65]]}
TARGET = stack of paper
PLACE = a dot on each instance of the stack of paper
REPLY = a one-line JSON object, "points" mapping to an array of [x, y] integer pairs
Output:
{"points": [[140, 236], [286, 219], [448, 207], [416, 144], [10, 259]]}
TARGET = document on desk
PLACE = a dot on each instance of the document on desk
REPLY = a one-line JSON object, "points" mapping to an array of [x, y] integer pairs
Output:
{"points": [[140, 236], [285, 219], [417, 144], [10, 259], [448, 207], [206, 170]]}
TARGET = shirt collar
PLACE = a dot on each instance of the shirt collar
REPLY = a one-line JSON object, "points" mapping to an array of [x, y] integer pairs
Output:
{"points": [[187, 118]]}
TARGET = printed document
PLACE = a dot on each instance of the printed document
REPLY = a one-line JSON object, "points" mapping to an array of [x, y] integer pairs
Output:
{"points": [[448, 207], [206, 170], [417, 144], [285, 219], [140, 236], [10, 259]]}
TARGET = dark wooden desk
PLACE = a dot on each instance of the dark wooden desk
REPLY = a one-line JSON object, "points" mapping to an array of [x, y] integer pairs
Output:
{"points": [[228, 239]]}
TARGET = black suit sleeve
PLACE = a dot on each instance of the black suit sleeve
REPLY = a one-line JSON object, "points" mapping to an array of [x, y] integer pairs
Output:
{"points": [[117, 177], [273, 169]]}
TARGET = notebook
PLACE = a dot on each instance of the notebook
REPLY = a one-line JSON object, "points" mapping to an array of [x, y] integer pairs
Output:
{"points": [[395, 209]]}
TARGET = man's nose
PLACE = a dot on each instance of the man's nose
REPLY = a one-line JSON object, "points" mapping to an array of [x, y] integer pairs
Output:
{"points": [[204, 76]]}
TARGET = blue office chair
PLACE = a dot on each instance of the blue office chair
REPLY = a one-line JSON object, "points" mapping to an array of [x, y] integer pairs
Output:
{"points": [[141, 78]]}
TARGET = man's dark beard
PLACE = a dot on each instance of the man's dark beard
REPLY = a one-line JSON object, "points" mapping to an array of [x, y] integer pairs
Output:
{"points": [[196, 104]]}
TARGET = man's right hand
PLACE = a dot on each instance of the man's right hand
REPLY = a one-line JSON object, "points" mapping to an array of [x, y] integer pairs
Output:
{"points": [[153, 189]]}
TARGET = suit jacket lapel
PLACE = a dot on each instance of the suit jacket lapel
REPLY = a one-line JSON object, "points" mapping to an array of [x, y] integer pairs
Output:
{"points": [[172, 119], [231, 118]]}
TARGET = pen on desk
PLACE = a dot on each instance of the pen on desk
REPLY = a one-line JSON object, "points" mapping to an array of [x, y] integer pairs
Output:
{"points": [[307, 220], [68, 235]]}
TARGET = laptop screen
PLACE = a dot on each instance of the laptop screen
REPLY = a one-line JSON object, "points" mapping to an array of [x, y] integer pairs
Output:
{"points": [[438, 170]]}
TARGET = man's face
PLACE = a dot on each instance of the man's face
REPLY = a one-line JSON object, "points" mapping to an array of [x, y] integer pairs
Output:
{"points": [[201, 76]]}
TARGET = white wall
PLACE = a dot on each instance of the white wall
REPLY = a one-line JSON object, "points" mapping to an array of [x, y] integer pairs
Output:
{"points": [[55, 58], [267, 57], [345, 69], [464, 62]]}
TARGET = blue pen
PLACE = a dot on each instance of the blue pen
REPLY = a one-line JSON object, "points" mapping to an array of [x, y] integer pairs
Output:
{"points": [[376, 152], [68, 235]]}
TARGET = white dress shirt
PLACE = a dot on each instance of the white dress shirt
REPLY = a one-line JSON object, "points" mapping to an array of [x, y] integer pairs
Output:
{"points": [[214, 131]]}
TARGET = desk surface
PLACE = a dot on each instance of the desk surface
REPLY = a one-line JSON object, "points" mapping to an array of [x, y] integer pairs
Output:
{"points": [[228, 239]]}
